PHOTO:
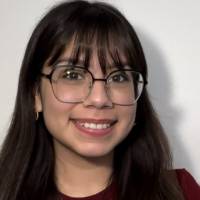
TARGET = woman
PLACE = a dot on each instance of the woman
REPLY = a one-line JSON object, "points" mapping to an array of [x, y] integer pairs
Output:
{"points": [[83, 126]]}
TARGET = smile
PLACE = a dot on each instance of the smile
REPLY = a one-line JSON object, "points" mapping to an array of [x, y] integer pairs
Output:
{"points": [[95, 126]]}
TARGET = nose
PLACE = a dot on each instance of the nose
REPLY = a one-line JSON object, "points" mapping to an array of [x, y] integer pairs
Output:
{"points": [[98, 96]]}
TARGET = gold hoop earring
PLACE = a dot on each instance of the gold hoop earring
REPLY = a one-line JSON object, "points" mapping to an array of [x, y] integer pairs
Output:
{"points": [[36, 116]]}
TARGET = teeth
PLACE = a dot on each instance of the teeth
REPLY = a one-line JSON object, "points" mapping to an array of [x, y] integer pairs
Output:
{"points": [[95, 126]]}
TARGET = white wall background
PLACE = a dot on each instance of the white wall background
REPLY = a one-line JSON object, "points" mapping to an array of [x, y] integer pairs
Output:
{"points": [[170, 33]]}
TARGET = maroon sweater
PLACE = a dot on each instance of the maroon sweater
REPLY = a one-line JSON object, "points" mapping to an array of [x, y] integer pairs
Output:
{"points": [[190, 188]]}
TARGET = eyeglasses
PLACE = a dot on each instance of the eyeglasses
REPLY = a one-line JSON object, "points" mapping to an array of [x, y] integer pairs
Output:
{"points": [[73, 84]]}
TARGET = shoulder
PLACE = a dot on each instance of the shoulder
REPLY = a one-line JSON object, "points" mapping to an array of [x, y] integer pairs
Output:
{"points": [[188, 184]]}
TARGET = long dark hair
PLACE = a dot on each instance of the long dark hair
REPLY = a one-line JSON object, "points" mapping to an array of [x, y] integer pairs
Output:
{"points": [[141, 162]]}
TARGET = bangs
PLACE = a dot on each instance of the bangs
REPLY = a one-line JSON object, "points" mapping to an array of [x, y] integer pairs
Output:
{"points": [[96, 33], [100, 44]]}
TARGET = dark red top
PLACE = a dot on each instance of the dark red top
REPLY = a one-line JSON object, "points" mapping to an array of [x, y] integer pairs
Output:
{"points": [[190, 188]]}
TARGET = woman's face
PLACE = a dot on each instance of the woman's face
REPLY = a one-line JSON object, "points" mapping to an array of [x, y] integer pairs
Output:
{"points": [[92, 128]]}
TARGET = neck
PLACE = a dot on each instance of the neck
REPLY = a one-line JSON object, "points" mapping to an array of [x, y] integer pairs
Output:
{"points": [[79, 176]]}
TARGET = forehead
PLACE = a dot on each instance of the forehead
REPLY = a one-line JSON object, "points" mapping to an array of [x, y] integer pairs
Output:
{"points": [[90, 56]]}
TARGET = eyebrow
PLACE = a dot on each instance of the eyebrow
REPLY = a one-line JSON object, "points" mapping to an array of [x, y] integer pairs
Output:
{"points": [[71, 61], [67, 61]]}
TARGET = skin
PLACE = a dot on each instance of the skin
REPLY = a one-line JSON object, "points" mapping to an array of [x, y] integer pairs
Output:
{"points": [[83, 162]]}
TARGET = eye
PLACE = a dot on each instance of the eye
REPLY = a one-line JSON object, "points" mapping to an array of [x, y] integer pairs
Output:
{"points": [[72, 75], [118, 77]]}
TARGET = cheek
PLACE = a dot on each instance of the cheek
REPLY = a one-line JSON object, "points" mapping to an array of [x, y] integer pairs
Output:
{"points": [[129, 113], [127, 117], [55, 113]]}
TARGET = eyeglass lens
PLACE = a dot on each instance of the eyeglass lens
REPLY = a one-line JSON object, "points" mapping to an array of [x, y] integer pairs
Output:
{"points": [[73, 84]]}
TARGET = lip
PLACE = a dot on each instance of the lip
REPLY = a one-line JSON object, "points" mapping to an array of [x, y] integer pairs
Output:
{"points": [[94, 132]]}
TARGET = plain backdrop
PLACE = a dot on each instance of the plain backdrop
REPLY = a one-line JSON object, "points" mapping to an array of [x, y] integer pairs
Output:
{"points": [[170, 34]]}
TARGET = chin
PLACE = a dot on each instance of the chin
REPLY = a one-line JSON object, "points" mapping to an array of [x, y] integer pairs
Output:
{"points": [[95, 152]]}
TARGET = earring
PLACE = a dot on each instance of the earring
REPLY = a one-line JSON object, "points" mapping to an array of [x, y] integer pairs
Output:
{"points": [[36, 116]]}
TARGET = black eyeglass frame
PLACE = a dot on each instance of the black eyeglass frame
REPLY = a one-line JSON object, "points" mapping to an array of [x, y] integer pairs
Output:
{"points": [[49, 77]]}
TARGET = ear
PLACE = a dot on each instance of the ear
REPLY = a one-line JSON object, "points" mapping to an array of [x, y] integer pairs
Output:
{"points": [[38, 101]]}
